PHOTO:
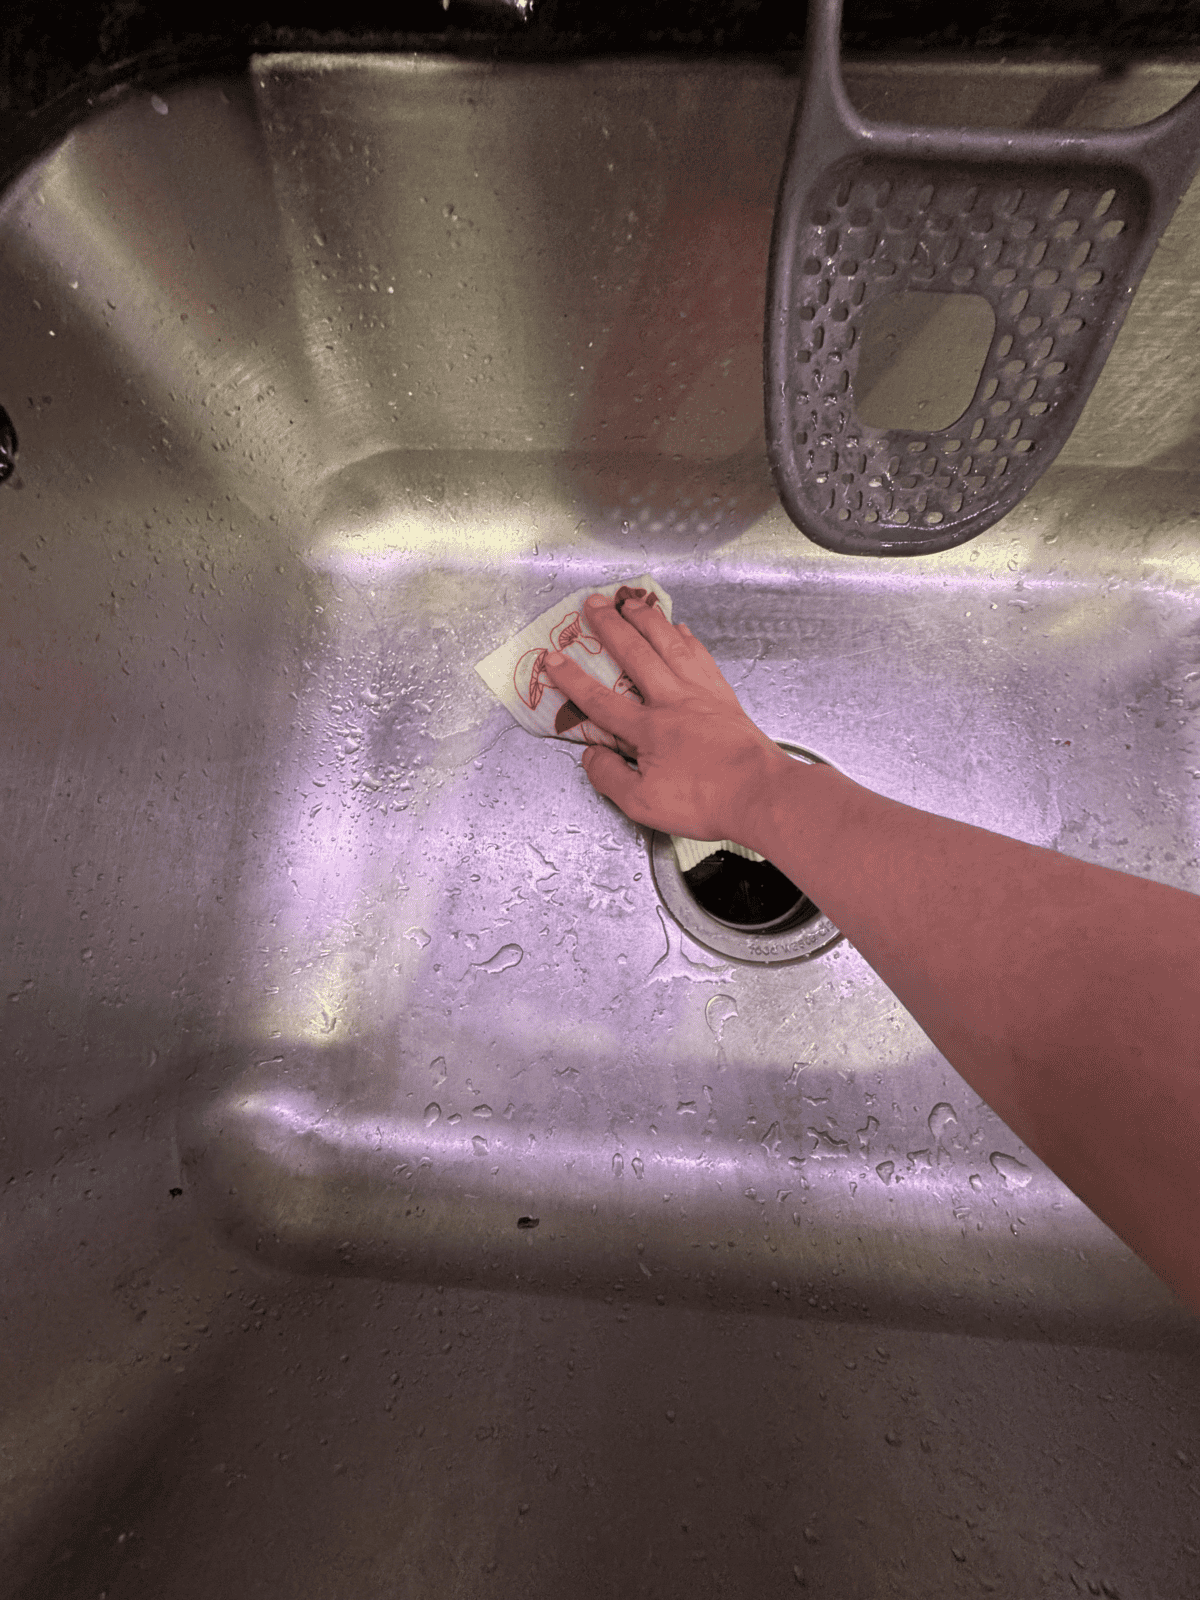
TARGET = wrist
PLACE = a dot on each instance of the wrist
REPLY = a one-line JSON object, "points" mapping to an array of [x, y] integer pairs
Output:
{"points": [[801, 815], [770, 810]]}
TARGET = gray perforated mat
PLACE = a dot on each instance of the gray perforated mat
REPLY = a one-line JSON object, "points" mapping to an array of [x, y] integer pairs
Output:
{"points": [[1053, 230]]}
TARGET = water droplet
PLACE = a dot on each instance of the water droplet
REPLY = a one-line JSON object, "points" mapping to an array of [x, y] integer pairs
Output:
{"points": [[432, 1112], [686, 1108], [438, 1067], [618, 1164], [976, 1182], [885, 1170], [85, 955], [639, 1166], [480, 1144], [719, 1010], [1013, 1172], [159, 104], [418, 936], [482, 1111], [827, 1145], [940, 1118], [508, 955]]}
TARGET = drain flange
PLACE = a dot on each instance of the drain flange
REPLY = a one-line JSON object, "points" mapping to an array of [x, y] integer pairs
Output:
{"points": [[744, 910]]}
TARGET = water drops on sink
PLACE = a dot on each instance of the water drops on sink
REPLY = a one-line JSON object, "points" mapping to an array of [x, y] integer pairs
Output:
{"points": [[942, 1117], [508, 955], [1014, 1172], [827, 1145], [867, 1133], [718, 1011], [772, 1139], [432, 1112]]}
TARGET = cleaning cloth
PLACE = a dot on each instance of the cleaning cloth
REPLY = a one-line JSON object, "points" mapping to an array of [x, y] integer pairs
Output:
{"points": [[514, 673]]}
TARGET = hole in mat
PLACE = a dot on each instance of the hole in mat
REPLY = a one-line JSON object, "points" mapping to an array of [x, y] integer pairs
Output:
{"points": [[920, 359]]}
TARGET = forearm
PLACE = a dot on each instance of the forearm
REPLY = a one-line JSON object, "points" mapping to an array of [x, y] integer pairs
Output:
{"points": [[1067, 995]]}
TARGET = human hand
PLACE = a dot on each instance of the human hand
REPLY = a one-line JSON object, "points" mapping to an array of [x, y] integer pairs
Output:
{"points": [[703, 768]]}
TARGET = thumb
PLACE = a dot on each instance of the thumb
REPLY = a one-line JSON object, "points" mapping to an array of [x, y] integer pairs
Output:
{"points": [[612, 777]]}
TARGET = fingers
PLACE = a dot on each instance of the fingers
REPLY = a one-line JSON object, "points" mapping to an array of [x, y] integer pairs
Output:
{"points": [[656, 655], [676, 647], [610, 777], [618, 713], [641, 649]]}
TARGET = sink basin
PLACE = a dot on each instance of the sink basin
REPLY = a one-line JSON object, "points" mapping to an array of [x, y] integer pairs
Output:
{"points": [[370, 1119]]}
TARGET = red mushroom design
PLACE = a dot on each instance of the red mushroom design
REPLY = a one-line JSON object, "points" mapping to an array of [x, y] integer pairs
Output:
{"points": [[530, 684]]}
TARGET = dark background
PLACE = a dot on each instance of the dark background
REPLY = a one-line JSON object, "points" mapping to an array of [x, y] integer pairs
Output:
{"points": [[60, 57]]}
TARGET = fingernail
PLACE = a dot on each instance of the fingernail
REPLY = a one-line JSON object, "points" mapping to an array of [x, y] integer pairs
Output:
{"points": [[597, 600], [555, 658]]}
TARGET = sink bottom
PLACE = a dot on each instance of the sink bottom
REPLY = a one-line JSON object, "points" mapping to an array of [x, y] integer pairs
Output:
{"points": [[324, 982]]}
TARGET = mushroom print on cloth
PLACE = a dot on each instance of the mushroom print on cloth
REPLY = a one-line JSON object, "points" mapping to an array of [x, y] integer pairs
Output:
{"points": [[515, 672]]}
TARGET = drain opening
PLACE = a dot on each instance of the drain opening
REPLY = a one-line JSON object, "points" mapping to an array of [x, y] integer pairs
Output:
{"points": [[751, 895], [743, 910]]}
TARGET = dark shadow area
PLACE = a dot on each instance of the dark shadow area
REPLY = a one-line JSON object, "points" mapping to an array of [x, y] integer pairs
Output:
{"points": [[747, 894], [976, 1311], [85, 1534], [60, 61], [376, 1441]]}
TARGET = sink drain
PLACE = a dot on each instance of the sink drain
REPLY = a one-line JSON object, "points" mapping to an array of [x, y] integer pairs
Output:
{"points": [[745, 910], [752, 896]]}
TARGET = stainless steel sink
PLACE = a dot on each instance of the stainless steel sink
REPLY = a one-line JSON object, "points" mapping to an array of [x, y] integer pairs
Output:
{"points": [[399, 1200]]}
